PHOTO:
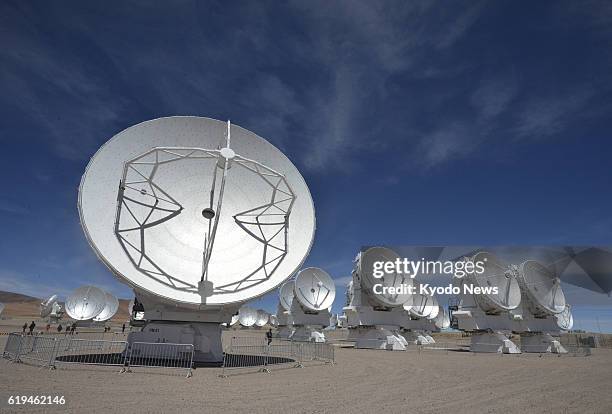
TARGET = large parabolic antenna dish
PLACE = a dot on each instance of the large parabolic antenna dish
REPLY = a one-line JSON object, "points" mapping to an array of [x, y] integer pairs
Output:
{"points": [[366, 267], [285, 294], [565, 319], [47, 306], [262, 318], [247, 316], [110, 308], [314, 289], [542, 289], [85, 303], [495, 274], [194, 211]]}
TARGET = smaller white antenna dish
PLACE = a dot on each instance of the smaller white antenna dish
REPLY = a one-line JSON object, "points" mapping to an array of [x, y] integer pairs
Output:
{"points": [[388, 280], [234, 320], [47, 306], [542, 289], [423, 306], [273, 320], [442, 320], [565, 319], [131, 307], [262, 318], [247, 316], [314, 289], [496, 274], [85, 303], [110, 308], [286, 295]]}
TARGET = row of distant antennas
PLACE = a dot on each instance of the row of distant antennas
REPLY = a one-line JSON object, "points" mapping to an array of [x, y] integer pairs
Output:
{"points": [[531, 282], [91, 303], [249, 317]]}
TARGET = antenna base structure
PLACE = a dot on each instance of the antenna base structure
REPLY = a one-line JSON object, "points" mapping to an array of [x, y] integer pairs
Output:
{"points": [[488, 316], [490, 333], [307, 326], [417, 331], [205, 337], [377, 337], [168, 323]]}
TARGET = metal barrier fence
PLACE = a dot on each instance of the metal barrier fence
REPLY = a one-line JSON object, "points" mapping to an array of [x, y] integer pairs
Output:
{"points": [[12, 346], [258, 354], [89, 352], [160, 355], [38, 350], [57, 352]]}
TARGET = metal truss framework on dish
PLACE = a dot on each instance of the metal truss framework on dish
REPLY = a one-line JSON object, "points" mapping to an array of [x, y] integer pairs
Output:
{"points": [[143, 204]]}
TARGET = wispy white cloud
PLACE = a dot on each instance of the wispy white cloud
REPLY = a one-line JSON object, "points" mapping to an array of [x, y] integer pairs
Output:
{"points": [[493, 96], [544, 116], [12, 207]]}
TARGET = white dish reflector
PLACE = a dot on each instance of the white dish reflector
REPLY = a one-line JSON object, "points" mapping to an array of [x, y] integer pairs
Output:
{"points": [[542, 289], [247, 316], [314, 289], [200, 212], [393, 279], [262, 318], [285, 294], [498, 275], [565, 319], [110, 308], [85, 303], [424, 306]]}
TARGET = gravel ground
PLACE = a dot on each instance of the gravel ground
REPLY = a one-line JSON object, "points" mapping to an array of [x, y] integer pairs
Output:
{"points": [[361, 381]]}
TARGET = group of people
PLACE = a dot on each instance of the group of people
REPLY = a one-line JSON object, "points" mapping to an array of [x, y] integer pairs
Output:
{"points": [[70, 329]]}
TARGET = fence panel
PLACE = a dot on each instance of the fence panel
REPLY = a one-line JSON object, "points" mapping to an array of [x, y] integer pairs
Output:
{"points": [[38, 350], [164, 356], [259, 354], [70, 351], [12, 346]]}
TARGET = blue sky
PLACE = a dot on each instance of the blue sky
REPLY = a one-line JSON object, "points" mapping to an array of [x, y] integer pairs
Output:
{"points": [[412, 122]]}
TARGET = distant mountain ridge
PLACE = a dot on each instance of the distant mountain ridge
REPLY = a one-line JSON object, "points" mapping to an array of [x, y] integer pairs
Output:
{"points": [[10, 297]]}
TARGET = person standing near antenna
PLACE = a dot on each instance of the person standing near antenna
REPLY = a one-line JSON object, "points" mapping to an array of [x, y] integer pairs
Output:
{"points": [[269, 336], [123, 328], [32, 326], [24, 327]]}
